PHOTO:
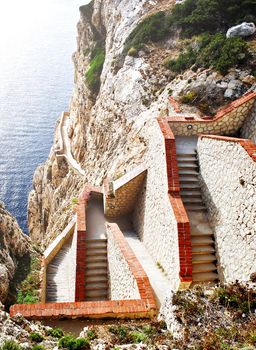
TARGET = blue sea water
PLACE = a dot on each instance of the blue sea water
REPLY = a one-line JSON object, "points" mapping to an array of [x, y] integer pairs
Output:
{"points": [[37, 39]]}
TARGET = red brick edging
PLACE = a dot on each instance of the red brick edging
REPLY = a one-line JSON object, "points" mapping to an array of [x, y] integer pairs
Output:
{"points": [[247, 145], [183, 226]]}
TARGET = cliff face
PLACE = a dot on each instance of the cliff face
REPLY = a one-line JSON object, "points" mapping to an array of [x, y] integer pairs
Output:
{"points": [[109, 135], [14, 253]]}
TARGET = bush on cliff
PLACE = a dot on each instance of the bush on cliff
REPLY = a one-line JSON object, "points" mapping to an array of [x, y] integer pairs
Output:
{"points": [[94, 71], [214, 51]]}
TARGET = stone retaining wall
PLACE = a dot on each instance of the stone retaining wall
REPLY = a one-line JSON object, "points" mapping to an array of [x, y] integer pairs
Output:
{"points": [[228, 177], [122, 282], [249, 128], [227, 121]]}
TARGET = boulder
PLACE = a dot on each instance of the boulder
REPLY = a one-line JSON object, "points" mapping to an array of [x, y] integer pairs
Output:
{"points": [[244, 29]]}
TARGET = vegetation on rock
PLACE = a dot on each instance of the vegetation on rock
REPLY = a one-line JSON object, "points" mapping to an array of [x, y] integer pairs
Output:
{"points": [[72, 343], [94, 71]]}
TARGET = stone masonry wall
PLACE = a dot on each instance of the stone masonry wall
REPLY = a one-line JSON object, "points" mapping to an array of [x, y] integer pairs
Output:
{"points": [[227, 121], [228, 176], [122, 283], [153, 217], [249, 128]]}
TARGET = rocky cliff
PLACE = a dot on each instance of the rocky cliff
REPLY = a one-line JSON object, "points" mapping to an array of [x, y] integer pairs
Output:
{"points": [[14, 255], [112, 120]]}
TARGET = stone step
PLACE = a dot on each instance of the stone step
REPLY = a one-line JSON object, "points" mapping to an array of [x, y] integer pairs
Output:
{"points": [[187, 155], [100, 272], [96, 241], [96, 286], [198, 268], [188, 172], [190, 193], [192, 200], [197, 208], [96, 265], [96, 278], [96, 298], [96, 253], [205, 277], [199, 241], [188, 166], [96, 293], [203, 250], [96, 258], [187, 159], [203, 259], [190, 186]]}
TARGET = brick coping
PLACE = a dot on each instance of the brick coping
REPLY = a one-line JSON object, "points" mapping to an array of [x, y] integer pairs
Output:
{"points": [[247, 144], [145, 307], [183, 225], [183, 119]]}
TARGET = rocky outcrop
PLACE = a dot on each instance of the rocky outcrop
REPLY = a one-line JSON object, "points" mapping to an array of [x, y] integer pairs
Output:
{"points": [[14, 255], [243, 29]]}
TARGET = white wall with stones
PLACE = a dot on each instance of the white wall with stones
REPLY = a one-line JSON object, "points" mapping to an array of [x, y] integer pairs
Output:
{"points": [[122, 283], [248, 130], [153, 215], [228, 178]]}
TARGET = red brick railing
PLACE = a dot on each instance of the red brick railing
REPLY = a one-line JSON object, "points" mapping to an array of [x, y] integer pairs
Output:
{"points": [[247, 145], [183, 226]]}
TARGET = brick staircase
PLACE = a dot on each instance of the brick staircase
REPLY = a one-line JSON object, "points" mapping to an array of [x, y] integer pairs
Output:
{"points": [[202, 238], [96, 275]]}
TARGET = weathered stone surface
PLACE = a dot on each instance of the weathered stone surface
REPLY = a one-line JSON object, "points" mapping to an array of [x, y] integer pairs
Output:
{"points": [[14, 250], [243, 29], [228, 177]]}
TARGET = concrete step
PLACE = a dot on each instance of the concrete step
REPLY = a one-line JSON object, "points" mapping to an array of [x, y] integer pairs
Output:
{"points": [[205, 277], [203, 259], [96, 298], [188, 166], [191, 186], [187, 155], [96, 258], [198, 268], [187, 159], [198, 241], [96, 241], [203, 250]]}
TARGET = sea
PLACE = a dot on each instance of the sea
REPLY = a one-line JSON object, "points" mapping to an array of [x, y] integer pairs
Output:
{"points": [[37, 40]]}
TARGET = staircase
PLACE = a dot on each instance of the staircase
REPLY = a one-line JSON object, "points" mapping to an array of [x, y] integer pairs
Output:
{"points": [[60, 280], [96, 276], [203, 248]]}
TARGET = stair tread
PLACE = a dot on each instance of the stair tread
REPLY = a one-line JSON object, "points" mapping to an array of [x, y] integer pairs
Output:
{"points": [[205, 277], [203, 250], [197, 240], [96, 253], [203, 258], [204, 268]]}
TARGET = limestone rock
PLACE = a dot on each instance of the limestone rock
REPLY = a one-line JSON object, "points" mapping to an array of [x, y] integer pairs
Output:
{"points": [[14, 250], [244, 29]]}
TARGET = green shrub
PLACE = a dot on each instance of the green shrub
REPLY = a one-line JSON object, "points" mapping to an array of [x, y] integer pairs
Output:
{"points": [[138, 337], [215, 51], [94, 71], [91, 334], [72, 343], [151, 29], [189, 98], [201, 16], [133, 52], [55, 332], [10, 345], [36, 337], [38, 347]]}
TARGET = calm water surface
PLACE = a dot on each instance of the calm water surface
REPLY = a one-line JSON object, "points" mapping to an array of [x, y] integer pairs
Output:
{"points": [[37, 39]]}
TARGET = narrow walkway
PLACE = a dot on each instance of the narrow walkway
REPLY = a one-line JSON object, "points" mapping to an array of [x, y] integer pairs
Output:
{"points": [[61, 274], [66, 146], [159, 282]]}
